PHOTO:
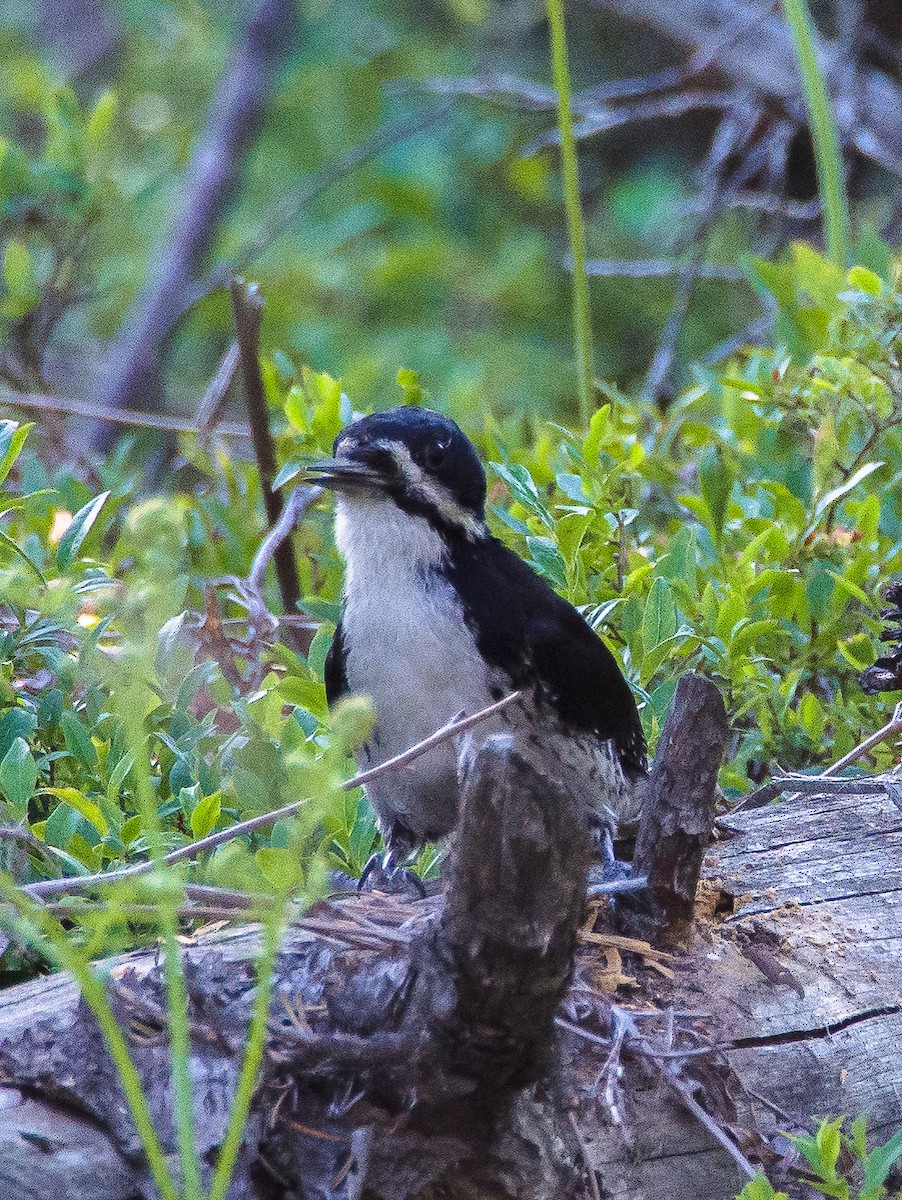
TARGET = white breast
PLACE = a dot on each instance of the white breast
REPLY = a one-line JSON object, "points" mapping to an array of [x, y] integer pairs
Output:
{"points": [[406, 646]]}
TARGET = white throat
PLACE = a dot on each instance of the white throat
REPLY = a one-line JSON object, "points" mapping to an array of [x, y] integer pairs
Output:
{"points": [[384, 547]]}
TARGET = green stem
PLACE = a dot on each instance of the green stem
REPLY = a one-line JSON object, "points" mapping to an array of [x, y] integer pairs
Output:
{"points": [[827, 154], [31, 926], [176, 991], [582, 317], [253, 1055]]}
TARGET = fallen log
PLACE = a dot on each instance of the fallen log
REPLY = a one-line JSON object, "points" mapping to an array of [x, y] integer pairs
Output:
{"points": [[411, 1050]]}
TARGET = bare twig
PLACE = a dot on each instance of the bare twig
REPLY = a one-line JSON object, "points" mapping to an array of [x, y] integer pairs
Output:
{"points": [[296, 505], [824, 781], [213, 399], [659, 268], [235, 114], [732, 134], [118, 416], [674, 1080], [247, 305], [292, 205], [595, 119], [591, 1177], [682, 1089], [79, 883]]}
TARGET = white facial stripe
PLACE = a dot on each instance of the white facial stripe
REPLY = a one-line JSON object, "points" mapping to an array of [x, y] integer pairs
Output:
{"points": [[432, 492]]}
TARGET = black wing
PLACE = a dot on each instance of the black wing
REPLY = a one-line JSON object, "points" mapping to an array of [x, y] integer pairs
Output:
{"points": [[335, 670], [524, 627]]}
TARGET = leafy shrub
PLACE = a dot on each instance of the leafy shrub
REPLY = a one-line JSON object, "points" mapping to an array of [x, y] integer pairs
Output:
{"points": [[840, 1164]]}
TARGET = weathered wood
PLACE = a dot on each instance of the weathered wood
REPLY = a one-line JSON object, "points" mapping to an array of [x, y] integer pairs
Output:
{"points": [[445, 1033], [811, 888], [678, 812], [385, 1066]]}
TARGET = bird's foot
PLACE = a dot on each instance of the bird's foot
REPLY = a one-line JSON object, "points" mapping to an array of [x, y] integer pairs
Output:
{"points": [[610, 876], [382, 874]]}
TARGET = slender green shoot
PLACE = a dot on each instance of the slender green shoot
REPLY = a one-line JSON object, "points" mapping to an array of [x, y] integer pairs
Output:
{"points": [[827, 154], [253, 1053], [32, 926], [176, 991], [576, 232]]}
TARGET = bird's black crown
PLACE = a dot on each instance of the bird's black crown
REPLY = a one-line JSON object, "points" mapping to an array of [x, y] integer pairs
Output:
{"points": [[420, 458]]}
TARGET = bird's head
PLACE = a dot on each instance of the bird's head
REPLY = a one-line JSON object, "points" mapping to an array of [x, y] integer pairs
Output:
{"points": [[414, 458]]}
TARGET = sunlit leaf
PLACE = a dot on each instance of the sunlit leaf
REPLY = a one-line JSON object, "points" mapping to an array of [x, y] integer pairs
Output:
{"points": [[72, 540]]}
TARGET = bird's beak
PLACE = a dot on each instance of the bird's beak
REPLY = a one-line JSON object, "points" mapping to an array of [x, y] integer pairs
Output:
{"points": [[343, 474]]}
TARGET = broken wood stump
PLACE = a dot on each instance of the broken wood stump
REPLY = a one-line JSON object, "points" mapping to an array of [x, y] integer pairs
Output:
{"points": [[678, 813], [404, 1072]]}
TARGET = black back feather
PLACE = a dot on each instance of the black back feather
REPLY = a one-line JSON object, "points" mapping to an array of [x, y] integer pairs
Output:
{"points": [[335, 672], [524, 627]]}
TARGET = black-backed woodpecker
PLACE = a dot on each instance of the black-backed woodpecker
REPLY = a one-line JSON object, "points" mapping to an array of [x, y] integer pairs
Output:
{"points": [[439, 618]]}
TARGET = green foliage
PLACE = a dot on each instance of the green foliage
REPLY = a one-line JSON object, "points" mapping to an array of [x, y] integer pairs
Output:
{"points": [[841, 1165]]}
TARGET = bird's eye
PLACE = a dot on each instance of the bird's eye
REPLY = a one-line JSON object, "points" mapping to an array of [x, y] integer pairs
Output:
{"points": [[435, 455]]}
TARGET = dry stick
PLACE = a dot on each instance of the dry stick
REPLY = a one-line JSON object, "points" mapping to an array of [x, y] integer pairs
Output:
{"points": [[670, 1077], [118, 416], [295, 506], [673, 1080], [78, 883], [776, 787], [247, 306], [761, 57], [659, 268], [320, 181], [590, 1172], [211, 405]]}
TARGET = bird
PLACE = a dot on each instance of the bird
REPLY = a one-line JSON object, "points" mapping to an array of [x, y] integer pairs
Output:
{"points": [[438, 618]]}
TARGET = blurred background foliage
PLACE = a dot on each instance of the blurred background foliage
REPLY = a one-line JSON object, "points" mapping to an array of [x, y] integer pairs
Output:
{"points": [[443, 253], [732, 507]]}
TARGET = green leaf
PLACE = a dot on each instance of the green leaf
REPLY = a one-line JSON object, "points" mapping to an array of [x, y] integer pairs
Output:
{"points": [[20, 279], [659, 620], [760, 1189], [87, 808], [12, 439], [546, 558], [100, 124], [881, 1160], [412, 390], [716, 482], [18, 775], [205, 815], [844, 488], [78, 743], [282, 868], [7, 541], [866, 281], [288, 471], [72, 539]]}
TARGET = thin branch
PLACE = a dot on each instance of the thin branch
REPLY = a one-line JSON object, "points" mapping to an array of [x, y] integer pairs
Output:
{"points": [[595, 119], [247, 306], [673, 1080], [786, 783], [589, 1170], [213, 400], [296, 505], [118, 416], [79, 883], [318, 182], [660, 268]]}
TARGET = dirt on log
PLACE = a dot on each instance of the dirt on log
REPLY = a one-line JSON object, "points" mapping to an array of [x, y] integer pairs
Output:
{"points": [[454, 1047]]}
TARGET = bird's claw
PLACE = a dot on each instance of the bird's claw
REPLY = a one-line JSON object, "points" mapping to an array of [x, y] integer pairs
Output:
{"points": [[383, 874]]}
